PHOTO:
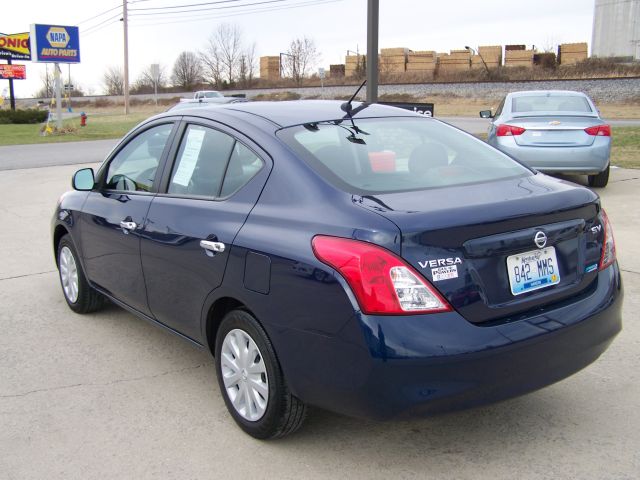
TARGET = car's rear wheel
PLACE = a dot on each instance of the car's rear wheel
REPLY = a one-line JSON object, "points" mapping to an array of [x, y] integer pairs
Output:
{"points": [[79, 295], [251, 380], [600, 180]]}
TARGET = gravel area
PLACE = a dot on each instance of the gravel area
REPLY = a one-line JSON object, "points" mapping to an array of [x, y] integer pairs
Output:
{"points": [[618, 90]]}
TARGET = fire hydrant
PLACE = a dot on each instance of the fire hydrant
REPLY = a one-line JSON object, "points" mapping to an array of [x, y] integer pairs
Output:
{"points": [[83, 119]]}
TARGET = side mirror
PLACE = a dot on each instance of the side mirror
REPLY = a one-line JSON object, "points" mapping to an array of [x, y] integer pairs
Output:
{"points": [[83, 180], [486, 114]]}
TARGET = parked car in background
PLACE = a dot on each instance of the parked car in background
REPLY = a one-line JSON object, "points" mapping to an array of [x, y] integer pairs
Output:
{"points": [[554, 132], [367, 260], [186, 104], [206, 94]]}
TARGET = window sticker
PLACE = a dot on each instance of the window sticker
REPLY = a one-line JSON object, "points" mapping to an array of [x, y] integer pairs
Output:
{"points": [[189, 157]]}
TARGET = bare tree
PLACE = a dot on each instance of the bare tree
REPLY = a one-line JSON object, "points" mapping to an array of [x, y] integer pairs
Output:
{"points": [[46, 90], [223, 53], [146, 81], [249, 65], [212, 65], [301, 57], [113, 81], [187, 71]]}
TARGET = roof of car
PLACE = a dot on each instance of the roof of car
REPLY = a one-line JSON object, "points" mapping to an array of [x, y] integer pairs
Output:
{"points": [[546, 92], [298, 112]]}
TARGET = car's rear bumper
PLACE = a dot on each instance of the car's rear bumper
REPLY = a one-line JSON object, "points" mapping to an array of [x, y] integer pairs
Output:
{"points": [[419, 365], [588, 160]]}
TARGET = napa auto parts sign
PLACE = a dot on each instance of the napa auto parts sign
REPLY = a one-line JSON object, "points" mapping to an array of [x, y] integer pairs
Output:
{"points": [[13, 72], [15, 46], [55, 43]]}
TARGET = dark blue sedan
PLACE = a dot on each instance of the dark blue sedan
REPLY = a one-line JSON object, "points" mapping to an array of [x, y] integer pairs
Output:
{"points": [[358, 258]]}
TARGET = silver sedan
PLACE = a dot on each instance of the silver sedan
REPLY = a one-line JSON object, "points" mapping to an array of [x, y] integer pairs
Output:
{"points": [[553, 131]]}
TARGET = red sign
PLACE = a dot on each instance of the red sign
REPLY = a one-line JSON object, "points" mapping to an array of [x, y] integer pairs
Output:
{"points": [[16, 72]]}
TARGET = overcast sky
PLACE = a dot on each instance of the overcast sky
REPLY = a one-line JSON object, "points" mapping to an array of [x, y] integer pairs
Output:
{"points": [[335, 26]]}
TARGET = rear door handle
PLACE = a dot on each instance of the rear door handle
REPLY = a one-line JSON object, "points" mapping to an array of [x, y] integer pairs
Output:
{"points": [[128, 226], [216, 247]]}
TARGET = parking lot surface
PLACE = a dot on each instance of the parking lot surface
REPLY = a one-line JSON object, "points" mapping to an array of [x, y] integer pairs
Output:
{"points": [[107, 395]]}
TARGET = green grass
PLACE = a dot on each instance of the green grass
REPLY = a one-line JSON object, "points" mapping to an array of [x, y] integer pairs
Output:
{"points": [[625, 150], [98, 127]]}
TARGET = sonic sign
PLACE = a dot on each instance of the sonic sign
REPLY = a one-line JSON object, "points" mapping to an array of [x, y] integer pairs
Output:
{"points": [[55, 44]]}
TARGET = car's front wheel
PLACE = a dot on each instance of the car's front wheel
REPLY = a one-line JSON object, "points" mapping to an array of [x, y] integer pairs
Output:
{"points": [[79, 295], [600, 180], [251, 380]]}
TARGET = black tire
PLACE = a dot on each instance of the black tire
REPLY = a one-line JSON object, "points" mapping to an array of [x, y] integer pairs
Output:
{"points": [[88, 299], [600, 180], [284, 413]]}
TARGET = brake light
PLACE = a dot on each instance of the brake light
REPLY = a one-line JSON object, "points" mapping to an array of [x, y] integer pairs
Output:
{"points": [[599, 130], [609, 245], [381, 281], [509, 130]]}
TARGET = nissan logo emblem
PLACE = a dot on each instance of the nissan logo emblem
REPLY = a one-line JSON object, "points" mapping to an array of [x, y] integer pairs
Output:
{"points": [[540, 239]]}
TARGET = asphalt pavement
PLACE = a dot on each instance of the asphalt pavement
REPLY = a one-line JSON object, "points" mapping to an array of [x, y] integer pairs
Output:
{"points": [[107, 395]]}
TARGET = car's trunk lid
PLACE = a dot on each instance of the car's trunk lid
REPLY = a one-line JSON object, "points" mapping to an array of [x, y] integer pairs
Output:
{"points": [[459, 238], [555, 130]]}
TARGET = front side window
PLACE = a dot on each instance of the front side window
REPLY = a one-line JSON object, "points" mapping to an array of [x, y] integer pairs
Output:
{"points": [[386, 155], [134, 167]]}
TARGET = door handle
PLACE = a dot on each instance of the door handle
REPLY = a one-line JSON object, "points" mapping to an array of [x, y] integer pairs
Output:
{"points": [[127, 226], [216, 247]]}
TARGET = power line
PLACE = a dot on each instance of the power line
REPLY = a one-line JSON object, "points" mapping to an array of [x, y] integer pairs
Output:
{"points": [[207, 9], [89, 29], [99, 15], [184, 6], [86, 34], [152, 23]]}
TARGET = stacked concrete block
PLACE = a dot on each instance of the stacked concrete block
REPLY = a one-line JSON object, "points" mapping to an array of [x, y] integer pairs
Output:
{"points": [[393, 60], [353, 64], [518, 58], [455, 61], [421, 62], [492, 56], [336, 71], [270, 68], [572, 53]]}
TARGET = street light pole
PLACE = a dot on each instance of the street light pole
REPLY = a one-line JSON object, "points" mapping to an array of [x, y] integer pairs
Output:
{"points": [[125, 24], [481, 58], [373, 14]]}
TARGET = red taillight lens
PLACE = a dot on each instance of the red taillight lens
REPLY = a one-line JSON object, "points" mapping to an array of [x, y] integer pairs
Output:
{"points": [[509, 130], [609, 245], [599, 130], [382, 282]]}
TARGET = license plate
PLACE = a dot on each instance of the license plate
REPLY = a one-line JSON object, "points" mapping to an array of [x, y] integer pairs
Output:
{"points": [[533, 270]]}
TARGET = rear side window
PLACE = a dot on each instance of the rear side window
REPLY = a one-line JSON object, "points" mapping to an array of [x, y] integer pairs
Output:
{"points": [[385, 155], [550, 103], [134, 167], [211, 164]]}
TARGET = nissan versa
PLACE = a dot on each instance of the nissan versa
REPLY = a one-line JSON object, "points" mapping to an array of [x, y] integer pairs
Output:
{"points": [[359, 258]]}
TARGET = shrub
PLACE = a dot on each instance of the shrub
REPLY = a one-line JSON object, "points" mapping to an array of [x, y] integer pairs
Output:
{"points": [[30, 115]]}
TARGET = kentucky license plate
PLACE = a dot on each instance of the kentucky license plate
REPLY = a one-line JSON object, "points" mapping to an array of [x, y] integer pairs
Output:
{"points": [[532, 270]]}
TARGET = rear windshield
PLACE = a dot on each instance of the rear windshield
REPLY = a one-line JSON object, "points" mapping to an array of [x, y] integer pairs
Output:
{"points": [[550, 103], [385, 155]]}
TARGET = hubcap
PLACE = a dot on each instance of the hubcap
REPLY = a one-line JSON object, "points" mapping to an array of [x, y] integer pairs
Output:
{"points": [[68, 274], [244, 374]]}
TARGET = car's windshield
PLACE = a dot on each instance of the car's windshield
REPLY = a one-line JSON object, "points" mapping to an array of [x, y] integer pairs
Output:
{"points": [[550, 103], [384, 155], [212, 94]]}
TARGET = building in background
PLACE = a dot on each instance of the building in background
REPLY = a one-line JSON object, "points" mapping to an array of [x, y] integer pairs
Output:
{"points": [[616, 29]]}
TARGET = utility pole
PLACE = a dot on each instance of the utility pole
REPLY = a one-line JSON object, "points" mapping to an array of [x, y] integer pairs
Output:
{"points": [[125, 24], [12, 97], [373, 14]]}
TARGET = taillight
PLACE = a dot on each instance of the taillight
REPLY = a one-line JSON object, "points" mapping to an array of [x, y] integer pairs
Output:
{"points": [[508, 130], [381, 281], [599, 130], [609, 245]]}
